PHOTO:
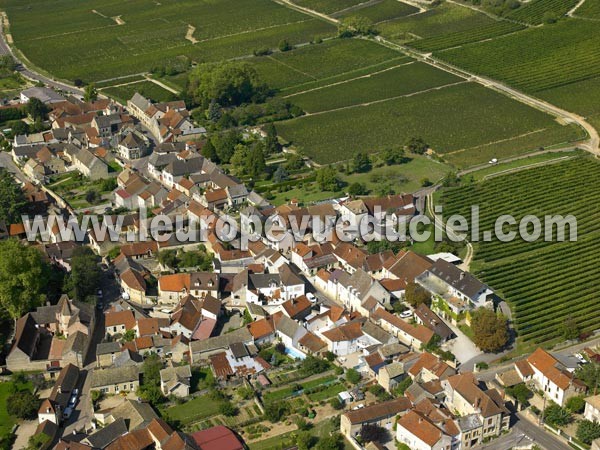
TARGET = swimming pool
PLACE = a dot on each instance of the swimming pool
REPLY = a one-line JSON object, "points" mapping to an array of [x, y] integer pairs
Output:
{"points": [[294, 353]]}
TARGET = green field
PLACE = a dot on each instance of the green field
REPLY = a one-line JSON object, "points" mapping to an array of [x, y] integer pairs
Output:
{"points": [[439, 116], [589, 9], [77, 42], [194, 410], [405, 79], [544, 282], [579, 97], [536, 11], [382, 10], [487, 31], [146, 88], [306, 67], [538, 58], [327, 6], [445, 19]]}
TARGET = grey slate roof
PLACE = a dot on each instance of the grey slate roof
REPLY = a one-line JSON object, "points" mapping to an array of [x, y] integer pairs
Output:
{"points": [[460, 280], [224, 341], [108, 434], [106, 348], [114, 375]]}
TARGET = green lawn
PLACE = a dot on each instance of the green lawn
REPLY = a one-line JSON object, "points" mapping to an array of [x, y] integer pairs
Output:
{"points": [[7, 421], [327, 393], [194, 410]]}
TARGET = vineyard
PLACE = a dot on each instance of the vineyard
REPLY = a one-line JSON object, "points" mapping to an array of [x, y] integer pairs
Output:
{"points": [[458, 38], [440, 21], [538, 11], [589, 9], [544, 282], [382, 10], [98, 39], [440, 115], [535, 59], [327, 6]]}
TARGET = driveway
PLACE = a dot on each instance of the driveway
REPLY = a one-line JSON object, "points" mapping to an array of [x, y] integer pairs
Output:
{"points": [[462, 347], [24, 432]]}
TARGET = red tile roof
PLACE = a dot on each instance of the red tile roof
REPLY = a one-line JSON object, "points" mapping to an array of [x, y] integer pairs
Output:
{"points": [[217, 438]]}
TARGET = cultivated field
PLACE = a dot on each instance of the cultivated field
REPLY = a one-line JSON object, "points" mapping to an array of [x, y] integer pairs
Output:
{"points": [[539, 59], [589, 9], [146, 88], [544, 282], [98, 39], [537, 11], [445, 19], [328, 6], [437, 115], [380, 11]]}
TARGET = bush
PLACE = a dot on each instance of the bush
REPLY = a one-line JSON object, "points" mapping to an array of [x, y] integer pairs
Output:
{"points": [[228, 409], [556, 416], [353, 376], [336, 403], [23, 405], [575, 404], [588, 431]]}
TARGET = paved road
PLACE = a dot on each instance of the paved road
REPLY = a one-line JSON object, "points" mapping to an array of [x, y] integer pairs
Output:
{"points": [[540, 436], [512, 439], [30, 74]]}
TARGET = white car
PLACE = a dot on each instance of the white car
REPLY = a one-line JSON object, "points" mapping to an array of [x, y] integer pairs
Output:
{"points": [[311, 297], [581, 358], [406, 314]]}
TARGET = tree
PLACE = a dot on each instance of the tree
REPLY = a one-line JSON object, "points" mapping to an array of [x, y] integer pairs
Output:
{"points": [[245, 392], [150, 388], [556, 416], [416, 145], [255, 161], [213, 112], [336, 403], [590, 374], [275, 410], [294, 162], [229, 83], [490, 330], [228, 409], [12, 199], [415, 295], [426, 182], [304, 440], [209, 151], [327, 179], [588, 431], [575, 404], [85, 273], [361, 162], [23, 404], [225, 145], [331, 442], [312, 365], [372, 433], [570, 329], [35, 108], [280, 174], [272, 144], [403, 385], [357, 189], [521, 393], [393, 155], [353, 376], [356, 26], [17, 127], [284, 45], [23, 278], [92, 196], [90, 93]]}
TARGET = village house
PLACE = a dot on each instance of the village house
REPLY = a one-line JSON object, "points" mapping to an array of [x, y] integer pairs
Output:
{"points": [[52, 336], [458, 290], [550, 376], [113, 380], [414, 336], [420, 433], [53, 407], [176, 380], [592, 408], [172, 288], [89, 165], [381, 414]]}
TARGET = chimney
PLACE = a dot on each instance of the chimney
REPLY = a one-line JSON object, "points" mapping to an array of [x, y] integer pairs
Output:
{"points": [[47, 410], [59, 390], [462, 275]]}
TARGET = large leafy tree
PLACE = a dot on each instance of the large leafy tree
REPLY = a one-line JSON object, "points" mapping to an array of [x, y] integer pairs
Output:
{"points": [[590, 375], [36, 109], [228, 83], [415, 295], [327, 179], [23, 278], [85, 273], [588, 431], [23, 404], [490, 330], [12, 199]]}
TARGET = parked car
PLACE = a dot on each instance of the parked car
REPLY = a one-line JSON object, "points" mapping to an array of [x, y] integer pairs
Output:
{"points": [[67, 412], [311, 297], [406, 314], [580, 358]]}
